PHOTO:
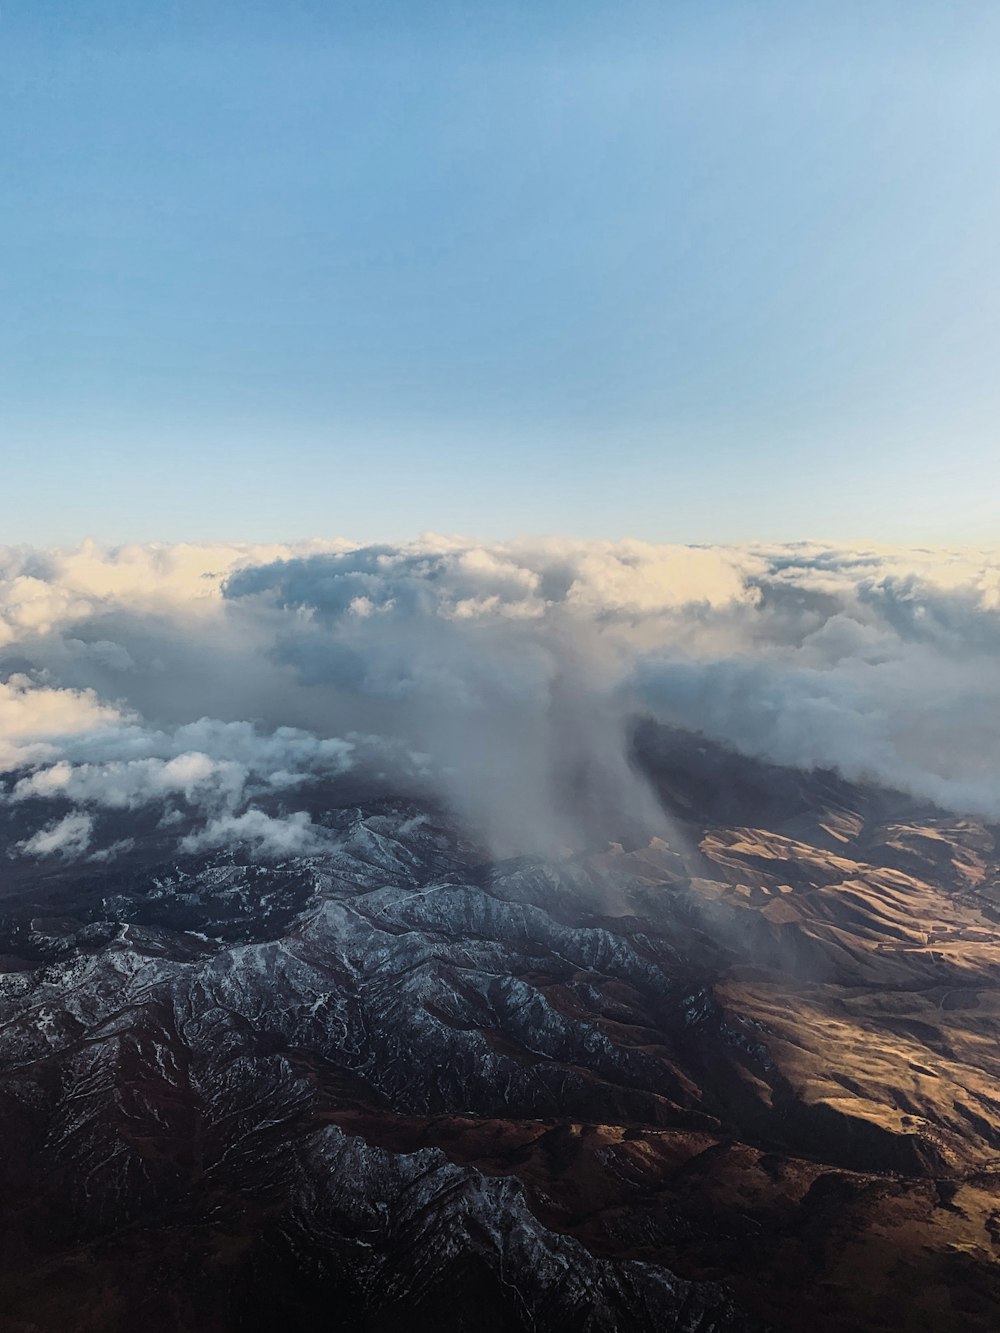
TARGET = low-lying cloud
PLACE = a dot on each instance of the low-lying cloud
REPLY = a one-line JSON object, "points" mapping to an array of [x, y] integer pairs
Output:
{"points": [[68, 837], [216, 681]]}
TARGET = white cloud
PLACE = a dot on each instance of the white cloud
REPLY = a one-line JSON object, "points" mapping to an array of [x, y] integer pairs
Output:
{"points": [[194, 776], [234, 757], [32, 716], [266, 835], [205, 678], [44, 590], [68, 837]]}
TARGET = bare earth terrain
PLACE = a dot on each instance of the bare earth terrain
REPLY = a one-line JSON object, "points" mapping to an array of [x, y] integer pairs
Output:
{"points": [[745, 1076]]}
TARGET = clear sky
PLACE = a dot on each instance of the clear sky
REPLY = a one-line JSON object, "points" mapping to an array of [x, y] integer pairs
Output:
{"points": [[692, 270]]}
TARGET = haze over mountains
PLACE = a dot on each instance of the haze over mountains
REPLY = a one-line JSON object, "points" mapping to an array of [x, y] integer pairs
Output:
{"points": [[546, 935]]}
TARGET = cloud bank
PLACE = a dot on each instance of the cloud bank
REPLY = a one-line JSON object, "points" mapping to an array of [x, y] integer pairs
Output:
{"points": [[212, 684]]}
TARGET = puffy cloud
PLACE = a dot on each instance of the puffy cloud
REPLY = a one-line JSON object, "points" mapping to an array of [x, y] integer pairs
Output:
{"points": [[517, 581], [194, 776], [878, 662], [42, 590], [235, 763], [206, 678], [32, 716], [494, 663], [267, 836], [68, 837]]}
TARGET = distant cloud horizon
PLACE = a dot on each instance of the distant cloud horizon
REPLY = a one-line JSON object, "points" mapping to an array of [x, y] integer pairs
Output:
{"points": [[207, 683]]}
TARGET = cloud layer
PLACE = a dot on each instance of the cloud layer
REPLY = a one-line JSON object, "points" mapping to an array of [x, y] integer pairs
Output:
{"points": [[213, 682]]}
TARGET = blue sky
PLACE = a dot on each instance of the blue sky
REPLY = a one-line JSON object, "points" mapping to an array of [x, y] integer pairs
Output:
{"points": [[683, 271]]}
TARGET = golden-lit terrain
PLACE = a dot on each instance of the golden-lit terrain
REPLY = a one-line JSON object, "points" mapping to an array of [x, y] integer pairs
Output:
{"points": [[846, 1062]]}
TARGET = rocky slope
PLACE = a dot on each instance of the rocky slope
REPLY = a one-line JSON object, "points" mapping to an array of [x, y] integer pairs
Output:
{"points": [[746, 1075]]}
